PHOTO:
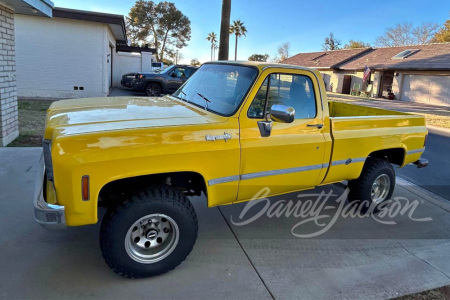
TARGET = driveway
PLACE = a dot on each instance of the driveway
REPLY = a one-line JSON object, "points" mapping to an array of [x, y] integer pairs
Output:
{"points": [[356, 258]]}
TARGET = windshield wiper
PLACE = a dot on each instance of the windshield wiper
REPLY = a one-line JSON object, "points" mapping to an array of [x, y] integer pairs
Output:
{"points": [[206, 101]]}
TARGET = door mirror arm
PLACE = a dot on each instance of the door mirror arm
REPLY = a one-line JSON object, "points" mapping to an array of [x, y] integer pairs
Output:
{"points": [[265, 127]]}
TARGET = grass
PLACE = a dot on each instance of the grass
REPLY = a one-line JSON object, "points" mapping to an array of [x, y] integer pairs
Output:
{"points": [[31, 122], [441, 293]]}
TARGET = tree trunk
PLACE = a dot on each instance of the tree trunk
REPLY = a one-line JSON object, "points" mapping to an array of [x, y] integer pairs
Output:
{"points": [[235, 48], [225, 30]]}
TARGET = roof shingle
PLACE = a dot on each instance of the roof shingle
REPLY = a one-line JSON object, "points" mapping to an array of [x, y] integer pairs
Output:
{"points": [[429, 57], [324, 59]]}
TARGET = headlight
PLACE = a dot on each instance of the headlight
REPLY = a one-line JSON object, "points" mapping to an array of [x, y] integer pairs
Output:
{"points": [[47, 146]]}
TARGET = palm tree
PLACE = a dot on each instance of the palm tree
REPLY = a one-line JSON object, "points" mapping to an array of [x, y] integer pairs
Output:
{"points": [[224, 30], [239, 30], [212, 37]]}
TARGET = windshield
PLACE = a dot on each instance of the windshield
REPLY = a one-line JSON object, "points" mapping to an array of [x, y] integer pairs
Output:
{"points": [[218, 88], [165, 70]]}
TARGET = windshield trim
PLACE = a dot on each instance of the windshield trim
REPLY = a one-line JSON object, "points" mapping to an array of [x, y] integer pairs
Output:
{"points": [[243, 97]]}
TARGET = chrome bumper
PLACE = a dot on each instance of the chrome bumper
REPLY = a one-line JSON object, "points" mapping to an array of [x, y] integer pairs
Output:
{"points": [[48, 215], [421, 163]]}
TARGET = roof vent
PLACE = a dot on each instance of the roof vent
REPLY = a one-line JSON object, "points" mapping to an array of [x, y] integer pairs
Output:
{"points": [[405, 53]]}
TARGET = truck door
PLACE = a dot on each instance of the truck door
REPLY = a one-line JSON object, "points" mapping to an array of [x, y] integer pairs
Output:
{"points": [[291, 158]]}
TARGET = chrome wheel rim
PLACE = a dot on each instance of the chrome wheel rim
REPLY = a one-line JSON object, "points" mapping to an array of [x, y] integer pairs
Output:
{"points": [[152, 238], [380, 188], [153, 90]]}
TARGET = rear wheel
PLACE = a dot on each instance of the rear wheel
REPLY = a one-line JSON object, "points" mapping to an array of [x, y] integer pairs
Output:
{"points": [[149, 234], [374, 186], [153, 89]]}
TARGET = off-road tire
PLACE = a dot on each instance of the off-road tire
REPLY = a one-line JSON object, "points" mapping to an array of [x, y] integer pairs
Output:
{"points": [[361, 188], [153, 89], [155, 200]]}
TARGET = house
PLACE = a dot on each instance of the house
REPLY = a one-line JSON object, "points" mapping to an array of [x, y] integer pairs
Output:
{"points": [[327, 62], [71, 55], [9, 10], [418, 73]]}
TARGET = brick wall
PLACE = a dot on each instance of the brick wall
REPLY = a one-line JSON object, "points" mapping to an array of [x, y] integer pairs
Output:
{"points": [[9, 128]]}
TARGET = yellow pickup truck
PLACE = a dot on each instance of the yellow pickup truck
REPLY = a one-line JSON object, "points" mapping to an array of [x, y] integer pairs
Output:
{"points": [[229, 131]]}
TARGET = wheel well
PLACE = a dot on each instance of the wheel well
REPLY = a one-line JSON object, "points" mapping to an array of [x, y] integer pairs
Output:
{"points": [[190, 183], [156, 82], [395, 156]]}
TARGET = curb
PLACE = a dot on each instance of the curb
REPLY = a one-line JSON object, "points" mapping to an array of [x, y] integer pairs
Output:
{"points": [[440, 129], [423, 193]]}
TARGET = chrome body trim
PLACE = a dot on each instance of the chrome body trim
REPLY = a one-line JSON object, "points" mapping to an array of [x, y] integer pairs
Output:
{"points": [[283, 171], [348, 161], [415, 151], [223, 180], [280, 171], [49, 216]]}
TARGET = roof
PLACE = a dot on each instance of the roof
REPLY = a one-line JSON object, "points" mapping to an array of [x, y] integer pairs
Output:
{"points": [[428, 57], [324, 59], [41, 8], [116, 22], [257, 64]]}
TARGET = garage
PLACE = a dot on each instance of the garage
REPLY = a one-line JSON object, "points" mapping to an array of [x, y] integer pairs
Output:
{"points": [[426, 89]]}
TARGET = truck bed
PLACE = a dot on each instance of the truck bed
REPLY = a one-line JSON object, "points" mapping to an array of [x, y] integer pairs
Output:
{"points": [[339, 109], [357, 131]]}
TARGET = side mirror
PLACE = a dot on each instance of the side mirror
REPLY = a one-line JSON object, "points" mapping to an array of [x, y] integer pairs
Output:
{"points": [[282, 113], [173, 74]]}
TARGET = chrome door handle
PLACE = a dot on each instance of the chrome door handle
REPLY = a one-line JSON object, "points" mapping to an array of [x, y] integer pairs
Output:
{"points": [[319, 126]]}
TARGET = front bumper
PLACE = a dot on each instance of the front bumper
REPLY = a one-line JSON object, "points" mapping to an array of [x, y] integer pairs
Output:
{"points": [[49, 216]]}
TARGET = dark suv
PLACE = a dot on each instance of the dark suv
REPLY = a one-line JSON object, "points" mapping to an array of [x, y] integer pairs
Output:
{"points": [[164, 82]]}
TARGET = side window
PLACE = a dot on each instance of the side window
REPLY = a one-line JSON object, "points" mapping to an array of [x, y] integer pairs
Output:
{"points": [[291, 90], [256, 109], [179, 72]]}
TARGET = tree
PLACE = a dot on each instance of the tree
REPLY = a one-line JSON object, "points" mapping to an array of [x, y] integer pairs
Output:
{"points": [[195, 62], [212, 37], [238, 29], [224, 43], [443, 35], [259, 57], [176, 56], [167, 62], [331, 43], [162, 24], [132, 32], [356, 44], [283, 51], [405, 34]]}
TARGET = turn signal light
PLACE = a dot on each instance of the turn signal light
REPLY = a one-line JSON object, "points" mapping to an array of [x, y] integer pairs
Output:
{"points": [[85, 187]]}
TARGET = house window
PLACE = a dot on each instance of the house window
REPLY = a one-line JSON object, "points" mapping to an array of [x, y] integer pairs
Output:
{"points": [[405, 53]]}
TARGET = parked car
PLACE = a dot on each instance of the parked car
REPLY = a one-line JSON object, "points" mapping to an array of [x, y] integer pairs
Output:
{"points": [[164, 82], [127, 80], [232, 131]]}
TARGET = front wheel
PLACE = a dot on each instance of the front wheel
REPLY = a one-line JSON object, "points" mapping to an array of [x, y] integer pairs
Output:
{"points": [[374, 186], [149, 234], [153, 89]]}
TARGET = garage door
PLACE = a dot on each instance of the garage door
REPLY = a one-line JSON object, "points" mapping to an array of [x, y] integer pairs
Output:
{"points": [[426, 89]]}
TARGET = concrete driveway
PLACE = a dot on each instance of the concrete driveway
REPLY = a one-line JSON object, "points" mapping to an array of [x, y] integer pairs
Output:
{"points": [[355, 258]]}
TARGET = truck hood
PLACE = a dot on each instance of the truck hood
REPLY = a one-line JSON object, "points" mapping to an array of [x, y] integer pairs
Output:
{"points": [[88, 115]]}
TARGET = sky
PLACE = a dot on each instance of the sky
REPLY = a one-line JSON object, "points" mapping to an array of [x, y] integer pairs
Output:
{"points": [[304, 24]]}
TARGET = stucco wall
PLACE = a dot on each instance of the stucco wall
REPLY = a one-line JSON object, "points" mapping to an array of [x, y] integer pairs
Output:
{"points": [[125, 62], [9, 129], [55, 55]]}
